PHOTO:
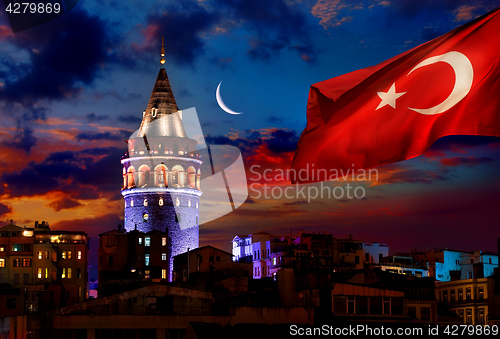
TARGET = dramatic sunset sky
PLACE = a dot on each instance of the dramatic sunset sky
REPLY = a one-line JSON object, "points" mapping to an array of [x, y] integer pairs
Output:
{"points": [[73, 89]]}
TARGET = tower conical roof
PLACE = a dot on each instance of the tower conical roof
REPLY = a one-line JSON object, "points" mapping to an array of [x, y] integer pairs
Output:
{"points": [[161, 118]]}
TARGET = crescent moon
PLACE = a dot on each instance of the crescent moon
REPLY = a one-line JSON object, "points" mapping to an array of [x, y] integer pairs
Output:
{"points": [[464, 75], [221, 103]]}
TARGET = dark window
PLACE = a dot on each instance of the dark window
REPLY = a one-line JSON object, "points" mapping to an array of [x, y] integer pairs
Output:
{"points": [[78, 272], [468, 293], [361, 305], [201, 259], [350, 304], [380, 256], [367, 257], [481, 293], [110, 261], [27, 247], [425, 313], [387, 305], [11, 303], [26, 278], [412, 312], [356, 259], [16, 262], [375, 305], [16, 278], [217, 258]]}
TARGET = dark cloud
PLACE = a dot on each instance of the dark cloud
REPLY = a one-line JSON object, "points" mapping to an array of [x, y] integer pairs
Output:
{"points": [[64, 203], [76, 174], [276, 24], [415, 176], [91, 117], [60, 156], [282, 141], [467, 161], [460, 143], [182, 25], [64, 55], [4, 209], [22, 139], [92, 136], [274, 119], [130, 119]]}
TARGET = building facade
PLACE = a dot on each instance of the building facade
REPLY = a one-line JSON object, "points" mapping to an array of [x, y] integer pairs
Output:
{"points": [[38, 259], [161, 173], [131, 257]]}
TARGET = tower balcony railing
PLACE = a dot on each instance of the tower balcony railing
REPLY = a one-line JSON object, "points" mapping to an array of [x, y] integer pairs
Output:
{"points": [[165, 179], [167, 152]]}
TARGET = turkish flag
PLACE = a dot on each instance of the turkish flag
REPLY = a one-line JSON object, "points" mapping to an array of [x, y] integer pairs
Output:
{"points": [[397, 109]]}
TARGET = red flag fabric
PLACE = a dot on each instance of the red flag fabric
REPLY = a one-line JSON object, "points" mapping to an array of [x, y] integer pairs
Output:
{"points": [[395, 110]]}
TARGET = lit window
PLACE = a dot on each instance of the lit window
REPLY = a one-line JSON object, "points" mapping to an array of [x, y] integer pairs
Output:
{"points": [[177, 202], [63, 255], [2, 247], [164, 256], [145, 202], [140, 241], [46, 272], [2, 262], [39, 254], [147, 241], [79, 291], [26, 262], [164, 241], [146, 259], [146, 274], [69, 273], [160, 202], [196, 205], [189, 203], [145, 217], [47, 255], [69, 254], [79, 256], [78, 273], [16, 262], [164, 274], [131, 203], [63, 275], [39, 273]]}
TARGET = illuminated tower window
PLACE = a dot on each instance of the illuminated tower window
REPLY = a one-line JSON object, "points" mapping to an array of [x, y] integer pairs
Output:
{"points": [[147, 241], [145, 202], [164, 256], [177, 202], [146, 259], [164, 241], [196, 205], [160, 202], [131, 203], [189, 203], [145, 217]]}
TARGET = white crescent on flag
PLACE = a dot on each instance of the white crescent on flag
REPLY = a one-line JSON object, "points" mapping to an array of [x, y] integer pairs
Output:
{"points": [[464, 75]]}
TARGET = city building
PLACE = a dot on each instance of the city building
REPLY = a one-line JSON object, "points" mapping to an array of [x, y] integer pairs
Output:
{"points": [[402, 263], [131, 257], [35, 261], [374, 252], [208, 260], [161, 173], [467, 298]]}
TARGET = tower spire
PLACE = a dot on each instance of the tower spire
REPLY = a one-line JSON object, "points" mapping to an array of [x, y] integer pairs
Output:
{"points": [[162, 60]]}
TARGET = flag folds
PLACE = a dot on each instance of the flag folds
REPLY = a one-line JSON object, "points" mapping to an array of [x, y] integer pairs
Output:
{"points": [[395, 110]]}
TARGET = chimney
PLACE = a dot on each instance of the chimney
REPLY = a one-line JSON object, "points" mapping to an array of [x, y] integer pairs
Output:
{"points": [[36, 224], [43, 224]]}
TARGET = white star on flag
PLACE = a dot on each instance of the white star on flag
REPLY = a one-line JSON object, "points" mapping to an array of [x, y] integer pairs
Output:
{"points": [[390, 97]]}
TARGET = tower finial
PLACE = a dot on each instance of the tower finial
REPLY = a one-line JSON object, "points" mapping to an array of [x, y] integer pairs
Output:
{"points": [[162, 60]]}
